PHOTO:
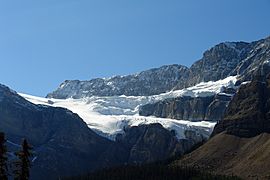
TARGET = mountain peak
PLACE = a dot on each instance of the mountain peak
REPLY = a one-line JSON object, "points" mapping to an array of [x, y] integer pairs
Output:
{"points": [[223, 60]]}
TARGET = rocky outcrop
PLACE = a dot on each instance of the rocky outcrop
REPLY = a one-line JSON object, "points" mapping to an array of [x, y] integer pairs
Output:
{"points": [[149, 143], [248, 114], [153, 81], [210, 108], [256, 63], [217, 63], [186, 107]]}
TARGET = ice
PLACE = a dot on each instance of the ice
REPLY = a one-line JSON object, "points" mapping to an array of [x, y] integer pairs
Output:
{"points": [[108, 116]]}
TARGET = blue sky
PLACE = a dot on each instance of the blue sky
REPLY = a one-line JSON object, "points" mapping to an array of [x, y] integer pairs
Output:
{"points": [[44, 42]]}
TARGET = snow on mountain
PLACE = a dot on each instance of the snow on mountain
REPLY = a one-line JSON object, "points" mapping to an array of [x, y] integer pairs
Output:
{"points": [[109, 115]]}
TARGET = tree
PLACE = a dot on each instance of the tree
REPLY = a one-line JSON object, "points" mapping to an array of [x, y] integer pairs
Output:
{"points": [[22, 171], [3, 158]]}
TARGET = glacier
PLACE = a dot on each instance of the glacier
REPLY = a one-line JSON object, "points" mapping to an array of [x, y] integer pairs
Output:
{"points": [[110, 115]]}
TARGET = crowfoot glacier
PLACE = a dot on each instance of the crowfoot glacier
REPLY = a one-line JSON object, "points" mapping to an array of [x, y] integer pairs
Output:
{"points": [[110, 115]]}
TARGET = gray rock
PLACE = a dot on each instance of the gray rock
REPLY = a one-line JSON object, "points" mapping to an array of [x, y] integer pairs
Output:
{"points": [[189, 108], [217, 63], [257, 62], [248, 112], [153, 81], [149, 143]]}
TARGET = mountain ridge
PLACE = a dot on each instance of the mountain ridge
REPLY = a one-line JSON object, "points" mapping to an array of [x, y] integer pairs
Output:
{"points": [[153, 81], [223, 60]]}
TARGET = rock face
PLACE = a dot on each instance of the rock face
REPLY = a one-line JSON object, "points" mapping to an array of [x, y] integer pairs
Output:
{"points": [[209, 108], [147, 143], [230, 58], [256, 62], [153, 81], [217, 63], [249, 112]]}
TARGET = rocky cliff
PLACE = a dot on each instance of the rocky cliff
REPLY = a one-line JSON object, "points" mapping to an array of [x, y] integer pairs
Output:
{"points": [[257, 61], [217, 63], [147, 143], [210, 108], [153, 81], [248, 113]]}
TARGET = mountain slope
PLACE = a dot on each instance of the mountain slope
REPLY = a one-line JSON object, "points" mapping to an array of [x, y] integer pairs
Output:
{"points": [[65, 146], [240, 144], [55, 134], [228, 154]]}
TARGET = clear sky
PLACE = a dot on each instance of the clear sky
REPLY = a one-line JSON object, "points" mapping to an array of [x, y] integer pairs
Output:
{"points": [[44, 42]]}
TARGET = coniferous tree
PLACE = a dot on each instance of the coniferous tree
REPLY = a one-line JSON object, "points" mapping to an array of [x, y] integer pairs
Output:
{"points": [[22, 171], [3, 158]]}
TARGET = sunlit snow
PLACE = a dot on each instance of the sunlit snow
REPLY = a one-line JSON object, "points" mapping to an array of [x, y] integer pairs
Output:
{"points": [[108, 116]]}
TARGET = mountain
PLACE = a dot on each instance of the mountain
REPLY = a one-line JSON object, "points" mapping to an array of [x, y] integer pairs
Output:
{"points": [[257, 61], [150, 82], [225, 59], [110, 115], [217, 63], [240, 59], [64, 145], [240, 143], [244, 60], [230, 59], [151, 116], [55, 134]]}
